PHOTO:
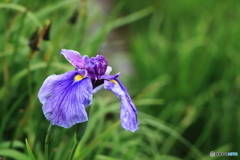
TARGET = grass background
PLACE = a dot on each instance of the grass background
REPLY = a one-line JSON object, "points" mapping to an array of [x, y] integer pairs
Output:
{"points": [[182, 72]]}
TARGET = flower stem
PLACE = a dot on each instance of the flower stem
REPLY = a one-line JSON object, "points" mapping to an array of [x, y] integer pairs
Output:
{"points": [[29, 80], [73, 149], [47, 139], [80, 130]]}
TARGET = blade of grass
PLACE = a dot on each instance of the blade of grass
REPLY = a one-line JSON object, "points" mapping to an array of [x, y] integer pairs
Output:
{"points": [[29, 150], [87, 149], [13, 154], [20, 8]]}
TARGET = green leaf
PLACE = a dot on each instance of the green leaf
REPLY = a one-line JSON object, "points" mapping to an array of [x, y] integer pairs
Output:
{"points": [[13, 154], [15, 144], [29, 150]]}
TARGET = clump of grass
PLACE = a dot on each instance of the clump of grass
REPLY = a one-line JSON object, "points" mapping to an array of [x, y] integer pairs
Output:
{"points": [[194, 44]]}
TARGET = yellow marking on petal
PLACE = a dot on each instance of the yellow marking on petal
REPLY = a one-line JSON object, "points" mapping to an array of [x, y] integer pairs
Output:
{"points": [[78, 77], [114, 82]]}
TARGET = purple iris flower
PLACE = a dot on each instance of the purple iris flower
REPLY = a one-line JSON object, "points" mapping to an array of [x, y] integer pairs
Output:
{"points": [[65, 97]]}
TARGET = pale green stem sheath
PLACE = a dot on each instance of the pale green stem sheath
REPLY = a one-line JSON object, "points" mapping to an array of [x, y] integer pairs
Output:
{"points": [[73, 149], [47, 139], [80, 130]]}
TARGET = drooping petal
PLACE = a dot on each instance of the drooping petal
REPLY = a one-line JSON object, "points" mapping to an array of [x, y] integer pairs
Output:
{"points": [[128, 112], [65, 97], [73, 57]]}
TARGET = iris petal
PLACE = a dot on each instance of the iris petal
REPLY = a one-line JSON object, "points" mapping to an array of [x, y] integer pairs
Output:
{"points": [[64, 100], [108, 77], [108, 70], [73, 57], [128, 112]]}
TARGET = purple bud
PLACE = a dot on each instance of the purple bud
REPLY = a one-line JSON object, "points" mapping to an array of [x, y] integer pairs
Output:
{"points": [[96, 66]]}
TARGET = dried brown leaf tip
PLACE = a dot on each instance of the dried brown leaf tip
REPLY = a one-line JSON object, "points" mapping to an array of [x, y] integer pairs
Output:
{"points": [[37, 37], [33, 41], [46, 33], [73, 19]]}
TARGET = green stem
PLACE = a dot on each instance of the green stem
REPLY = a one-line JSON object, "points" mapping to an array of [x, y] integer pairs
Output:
{"points": [[73, 150], [80, 130], [29, 82], [47, 139]]}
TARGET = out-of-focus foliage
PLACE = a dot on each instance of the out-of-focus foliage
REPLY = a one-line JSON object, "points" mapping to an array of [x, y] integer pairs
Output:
{"points": [[195, 44], [186, 82]]}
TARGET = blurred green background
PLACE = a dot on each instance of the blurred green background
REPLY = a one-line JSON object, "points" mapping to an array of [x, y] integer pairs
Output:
{"points": [[178, 59]]}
